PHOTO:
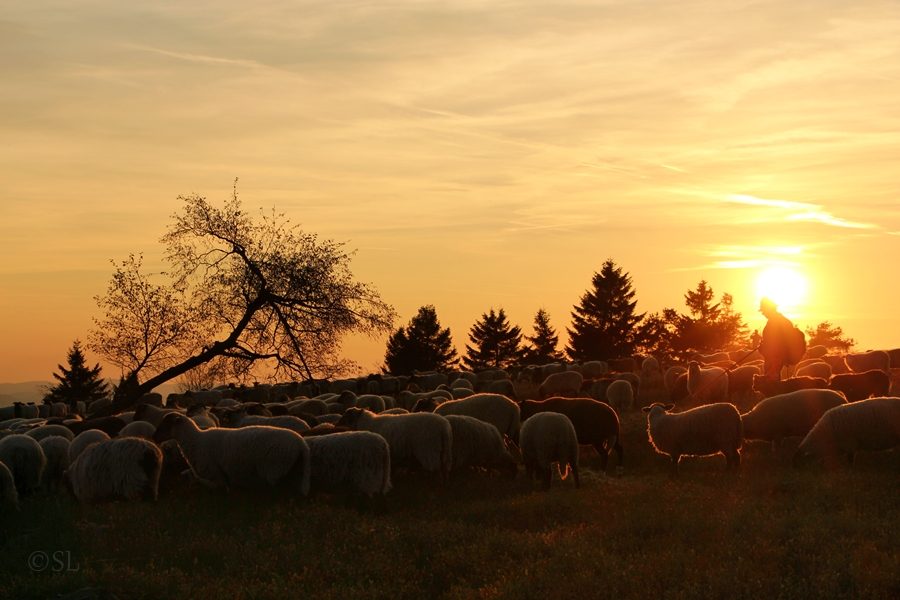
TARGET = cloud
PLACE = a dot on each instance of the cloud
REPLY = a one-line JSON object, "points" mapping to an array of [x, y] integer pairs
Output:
{"points": [[801, 211]]}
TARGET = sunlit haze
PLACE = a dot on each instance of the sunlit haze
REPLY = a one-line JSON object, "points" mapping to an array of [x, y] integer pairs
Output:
{"points": [[475, 154]]}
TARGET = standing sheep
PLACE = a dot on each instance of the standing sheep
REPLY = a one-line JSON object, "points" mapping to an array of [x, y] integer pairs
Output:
{"points": [[814, 369], [479, 444], [671, 375], [859, 386], [869, 425], [499, 411], [126, 468], [25, 460], [138, 429], [83, 440], [861, 362], [649, 367], [702, 431], [244, 458], [56, 451], [8, 493], [788, 415], [567, 383], [620, 395], [707, 386], [353, 462], [547, 438]]}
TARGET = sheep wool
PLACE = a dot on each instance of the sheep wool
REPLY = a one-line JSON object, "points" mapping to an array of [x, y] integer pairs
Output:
{"points": [[125, 468], [496, 409], [8, 493], [138, 429], [56, 451], [355, 462], [870, 425], [620, 395], [702, 431], [479, 444], [25, 460], [707, 385], [45, 431], [83, 440], [547, 438], [788, 415]]}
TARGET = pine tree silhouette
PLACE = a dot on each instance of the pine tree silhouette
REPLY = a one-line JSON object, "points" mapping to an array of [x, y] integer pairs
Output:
{"points": [[496, 345], [544, 342], [78, 382], [422, 346]]}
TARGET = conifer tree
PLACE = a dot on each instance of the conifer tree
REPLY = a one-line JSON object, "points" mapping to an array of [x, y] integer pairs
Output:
{"points": [[544, 342], [830, 336], [422, 346], [78, 382], [605, 324], [495, 344], [709, 327]]}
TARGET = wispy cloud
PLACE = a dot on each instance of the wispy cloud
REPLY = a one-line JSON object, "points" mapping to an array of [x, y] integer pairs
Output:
{"points": [[801, 211], [200, 58]]}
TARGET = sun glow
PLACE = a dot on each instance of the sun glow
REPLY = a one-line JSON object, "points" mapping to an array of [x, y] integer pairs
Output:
{"points": [[784, 285]]}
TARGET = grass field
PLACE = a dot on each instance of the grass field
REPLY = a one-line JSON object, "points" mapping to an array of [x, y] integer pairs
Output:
{"points": [[768, 532]]}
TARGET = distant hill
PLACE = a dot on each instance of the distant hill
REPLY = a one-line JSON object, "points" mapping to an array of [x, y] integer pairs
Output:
{"points": [[29, 391]]}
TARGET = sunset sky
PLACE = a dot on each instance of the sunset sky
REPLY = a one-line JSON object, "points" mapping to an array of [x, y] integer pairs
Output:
{"points": [[477, 154]]}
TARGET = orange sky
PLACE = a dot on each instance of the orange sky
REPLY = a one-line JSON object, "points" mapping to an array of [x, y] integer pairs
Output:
{"points": [[477, 154]]}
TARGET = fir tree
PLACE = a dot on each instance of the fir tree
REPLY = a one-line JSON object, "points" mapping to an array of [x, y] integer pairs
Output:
{"points": [[78, 382], [544, 342], [709, 327], [422, 346], [604, 324], [496, 345]]}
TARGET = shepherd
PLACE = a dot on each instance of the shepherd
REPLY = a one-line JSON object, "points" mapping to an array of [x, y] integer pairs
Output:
{"points": [[782, 344]]}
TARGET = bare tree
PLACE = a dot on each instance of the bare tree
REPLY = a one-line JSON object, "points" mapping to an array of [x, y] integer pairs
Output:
{"points": [[249, 291]]}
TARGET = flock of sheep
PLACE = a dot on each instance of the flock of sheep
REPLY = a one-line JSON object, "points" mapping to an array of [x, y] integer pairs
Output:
{"points": [[349, 436]]}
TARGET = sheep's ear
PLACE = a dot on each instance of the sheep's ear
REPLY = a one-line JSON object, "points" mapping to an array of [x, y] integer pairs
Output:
{"points": [[646, 409], [669, 407]]}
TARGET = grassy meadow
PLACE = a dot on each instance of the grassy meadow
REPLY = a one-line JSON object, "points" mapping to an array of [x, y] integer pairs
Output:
{"points": [[768, 532]]}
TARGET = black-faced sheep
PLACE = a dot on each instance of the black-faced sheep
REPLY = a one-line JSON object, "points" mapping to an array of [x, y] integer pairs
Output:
{"points": [[859, 386], [504, 387], [126, 468], [869, 425], [139, 429], [814, 369], [237, 418], [702, 431], [671, 375], [45, 431], [788, 415], [547, 438]]}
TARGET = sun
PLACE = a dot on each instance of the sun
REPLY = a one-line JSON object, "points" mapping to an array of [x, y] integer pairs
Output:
{"points": [[784, 285]]}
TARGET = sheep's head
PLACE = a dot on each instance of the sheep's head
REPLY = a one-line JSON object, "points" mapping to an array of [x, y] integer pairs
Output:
{"points": [[169, 423], [663, 407], [350, 418]]}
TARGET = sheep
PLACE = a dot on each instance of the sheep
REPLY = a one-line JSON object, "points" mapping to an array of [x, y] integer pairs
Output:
{"points": [[8, 493], [869, 425], [237, 418], [25, 460], [463, 383], [619, 395], [312, 407], [816, 351], [707, 386], [740, 380], [83, 440], [428, 381], [45, 431], [203, 417], [596, 424], [394, 411], [500, 386], [99, 404], [860, 362], [649, 367], [894, 355], [744, 355], [407, 399], [702, 431], [416, 440], [770, 387], [467, 375], [479, 444], [126, 468], [56, 451], [549, 437], [371, 402], [788, 415], [499, 411], [670, 375], [240, 458], [635, 381], [859, 386], [329, 418], [224, 403], [490, 375], [567, 383], [814, 369], [109, 425], [139, 429], [354, 462], [152, 414], [837, 363], [596, 389], [594, 369], [425, 405], [708, 359]]}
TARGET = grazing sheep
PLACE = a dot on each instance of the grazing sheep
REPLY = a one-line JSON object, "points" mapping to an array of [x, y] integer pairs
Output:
{"points": [[744, 355], [407, 399], [8, 493], [837, 363], [708, 359], [894, 355], [394, 411], [619, 395], [490, 375], [329, 418], [237, 418], [56, 451], [416, 440], [649, 367], [670, 375], [152, 414], [247, 457], [869, 425], [632, 378], [425, 405], [707, 386], [126, 468], [740, 380], [814, 369], [109, 425], [859, 386], [679, 391], [353, 462], [461, 383], [567, 383], [701, 431], [311, 407], [479, 444], [152, 398], [428, 381], [816, 351], [99, 404], [596, 424], [596, 389], [138, 429], [203, 417], [25, 460], [788, 415], [770, 387], [499, 411], [594, 369], [460, 393], [861, 362], [371, 402], [500, 386], [45, 431], [549, 437], [83, 440]]}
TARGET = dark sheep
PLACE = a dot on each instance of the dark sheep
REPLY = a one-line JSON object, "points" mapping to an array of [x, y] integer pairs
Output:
{"points": [[788, 415], [596, 424], [859, 386], [769, 387], [111, 426]]}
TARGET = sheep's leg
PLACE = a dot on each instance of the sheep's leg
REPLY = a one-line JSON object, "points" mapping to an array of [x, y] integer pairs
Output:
{"points": [[604, 457], [675, 459], [574, 468], [620, 458]]}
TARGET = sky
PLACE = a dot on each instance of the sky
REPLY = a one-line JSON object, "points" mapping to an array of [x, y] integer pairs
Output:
{"points": [[476, 155]]}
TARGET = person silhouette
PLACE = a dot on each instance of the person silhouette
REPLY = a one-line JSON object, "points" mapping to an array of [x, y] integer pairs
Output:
{"points": [[777, 337]]}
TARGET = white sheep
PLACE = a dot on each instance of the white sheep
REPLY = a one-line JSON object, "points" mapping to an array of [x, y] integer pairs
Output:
{"points": [[702, 431], [202, 417], [371, 402], [356, 462], [708, 385], [671, 375], [25, 460], [567, 383], [594, 369], [649, 367], [416, 440], [138, 429], [83, 440], [479, 444], [462, 383], [814, 369], [860, 362], [498, 410], [8, 493], [56, 451], [546, 438], [45, 431], [126, 468], [788, 415], [245, 458], [620, 395], [238, 418], [869, 425], [407, 399]]}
